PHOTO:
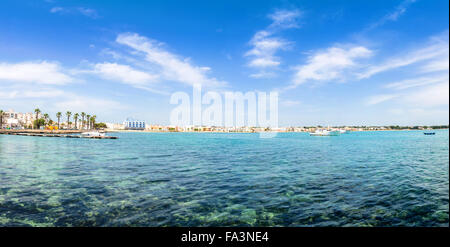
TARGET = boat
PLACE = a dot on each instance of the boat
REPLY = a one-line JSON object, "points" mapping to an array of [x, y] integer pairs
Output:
{"points": [[429, 133], [322, 132], [92, 134], [341, 131]]}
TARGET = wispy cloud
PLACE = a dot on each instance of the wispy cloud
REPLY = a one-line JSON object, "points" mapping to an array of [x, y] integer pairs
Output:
{"points": [[30, 94], [392, 16], [124, 73], [264, 49], [432, 96], [170, 67], [57, 10], [290, 103], [376, 99], [77, 103], [265, 44], [436, 49], [438, 64], [41, 72], [429, 89], [285, 19], [91, 13], [417, 82], [332, 64], [127, 75], [425, 97]]}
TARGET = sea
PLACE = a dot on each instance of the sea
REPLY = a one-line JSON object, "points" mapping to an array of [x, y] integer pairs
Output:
{"points": [[379, 178]]}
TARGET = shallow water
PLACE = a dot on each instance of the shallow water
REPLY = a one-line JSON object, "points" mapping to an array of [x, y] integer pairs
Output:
{"points": [[389, 178]]}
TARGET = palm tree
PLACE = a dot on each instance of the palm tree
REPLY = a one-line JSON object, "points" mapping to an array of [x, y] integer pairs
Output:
{"points": [[1, 118], [68, 114], [37, 111], [93, 120], [88, 118], [75, 117], [58, 115], [83, 114], [46, 117]]}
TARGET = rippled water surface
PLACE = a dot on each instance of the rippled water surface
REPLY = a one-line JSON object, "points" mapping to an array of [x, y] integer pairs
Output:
{"points": [[396, 178]]}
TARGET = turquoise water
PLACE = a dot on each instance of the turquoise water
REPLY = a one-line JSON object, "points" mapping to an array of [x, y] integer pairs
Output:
{"points": [[396, 178]]}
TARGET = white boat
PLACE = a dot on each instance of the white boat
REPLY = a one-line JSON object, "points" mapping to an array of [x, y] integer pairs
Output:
{"points": [[321, 132], [92, 134], [343, 131]]}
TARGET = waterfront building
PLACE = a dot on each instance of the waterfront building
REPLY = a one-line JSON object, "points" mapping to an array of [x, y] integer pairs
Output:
{"points": [[132, 124], [115, 126], [14, 119]]}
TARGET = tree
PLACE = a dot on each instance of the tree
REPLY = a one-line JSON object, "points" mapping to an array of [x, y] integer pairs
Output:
{"points": [[75, 117], [38, 123], [100, 126], [68, 114], [46, 118], [58, 115], [1, 118], [93, 120], [88, 119], [83, 114], [37, 111]]}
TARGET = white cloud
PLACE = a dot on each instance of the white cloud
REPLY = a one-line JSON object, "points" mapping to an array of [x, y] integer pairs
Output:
{"points": [[437, 49], [428, 92], [429, 96], [97, 106], [289, 103], [34, 72], [263, 74], [265, 44], [127, 75], [285, 18], [439, 64], [393, 16], [435, 95], [172, 67], [331, 64], [376, 99], [416, 82], [124, 73], [56, 9], [264, 49], [91, 13], [24, 94]]}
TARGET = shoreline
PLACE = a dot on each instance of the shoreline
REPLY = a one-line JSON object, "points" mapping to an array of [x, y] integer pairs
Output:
{"points": [[32, 131], [151, 131], [62, 132]]}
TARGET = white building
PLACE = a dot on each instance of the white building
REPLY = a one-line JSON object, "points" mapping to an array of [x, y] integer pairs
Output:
{"points": [[134, 124], [115, 126], [12, 119]]}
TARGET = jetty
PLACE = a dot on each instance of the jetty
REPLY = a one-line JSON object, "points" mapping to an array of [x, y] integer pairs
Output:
{"points": [[55, 133]]}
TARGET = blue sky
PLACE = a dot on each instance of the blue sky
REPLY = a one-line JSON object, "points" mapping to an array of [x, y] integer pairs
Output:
{"points": [[332, 62]]}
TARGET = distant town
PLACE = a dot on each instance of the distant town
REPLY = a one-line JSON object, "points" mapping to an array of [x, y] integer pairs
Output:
{"points": [[70, 121]]}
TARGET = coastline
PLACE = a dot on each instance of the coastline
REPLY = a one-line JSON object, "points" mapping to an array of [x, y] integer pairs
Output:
{"points": [[153, 131]]}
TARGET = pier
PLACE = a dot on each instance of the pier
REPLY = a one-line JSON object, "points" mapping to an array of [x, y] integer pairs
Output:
{"points": [[60, 133]]}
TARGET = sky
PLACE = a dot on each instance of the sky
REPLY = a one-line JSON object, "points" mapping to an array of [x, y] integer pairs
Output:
{"points": [[338, 62]]}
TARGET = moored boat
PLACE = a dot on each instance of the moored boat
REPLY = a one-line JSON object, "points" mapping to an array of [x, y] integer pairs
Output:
{"points": [[321, 132], [92, 134]]}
